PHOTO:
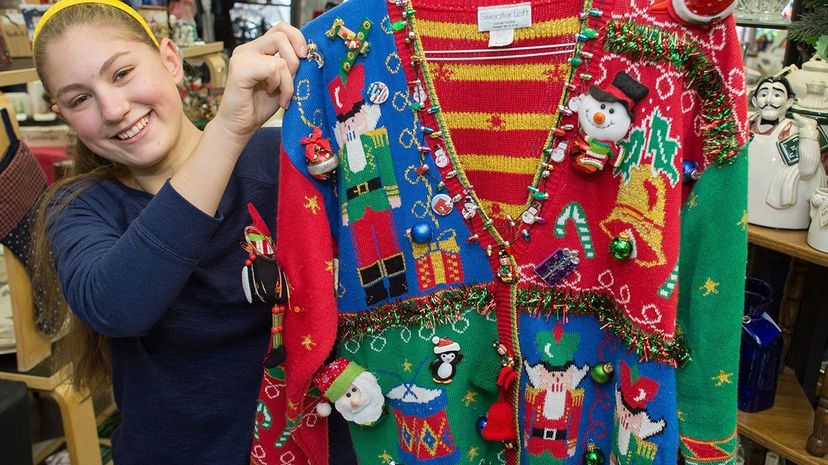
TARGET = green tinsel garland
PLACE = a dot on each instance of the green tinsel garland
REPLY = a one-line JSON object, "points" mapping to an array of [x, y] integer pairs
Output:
{"points": [[649, 43], [447, 306], [539, 301], [438, 308]]}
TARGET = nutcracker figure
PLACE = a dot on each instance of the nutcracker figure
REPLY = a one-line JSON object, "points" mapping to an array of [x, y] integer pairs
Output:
{"points": [[368, 189]]}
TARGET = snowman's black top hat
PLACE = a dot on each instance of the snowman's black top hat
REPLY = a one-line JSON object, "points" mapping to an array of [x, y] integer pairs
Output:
{"points": [[623, 89]]}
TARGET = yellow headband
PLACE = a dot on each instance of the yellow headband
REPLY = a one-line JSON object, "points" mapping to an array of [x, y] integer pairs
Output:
{"points": [[62, 4]]}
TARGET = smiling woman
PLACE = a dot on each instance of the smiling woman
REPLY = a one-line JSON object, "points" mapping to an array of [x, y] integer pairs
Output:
{"points": [[144, 236]]}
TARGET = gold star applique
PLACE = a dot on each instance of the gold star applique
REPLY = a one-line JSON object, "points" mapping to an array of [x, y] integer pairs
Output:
{"points": [[472, 453], [406, 365], [470, 397], [743, 222], [329, 267], [722, 378], [292, 405], [680, 415], [307, 342], [312, 204], [385, 457], [710, 287], [693, 200]]}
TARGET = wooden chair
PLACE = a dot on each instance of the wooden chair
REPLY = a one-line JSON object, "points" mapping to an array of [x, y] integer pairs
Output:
{"points": [[33, 348]]}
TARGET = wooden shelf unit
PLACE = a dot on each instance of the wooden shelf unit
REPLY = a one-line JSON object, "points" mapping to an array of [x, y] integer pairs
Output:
{"points": [[787, 241], [21, 70], [791, 428], [785, 427]]}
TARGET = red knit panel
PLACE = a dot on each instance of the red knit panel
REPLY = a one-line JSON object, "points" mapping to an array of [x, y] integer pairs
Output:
{"points": [[310, 322], [508, 119], [455, 93]]}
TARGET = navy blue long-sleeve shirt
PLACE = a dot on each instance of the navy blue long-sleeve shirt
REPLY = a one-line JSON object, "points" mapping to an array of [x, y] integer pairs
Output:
{"points": [[163, 280]]}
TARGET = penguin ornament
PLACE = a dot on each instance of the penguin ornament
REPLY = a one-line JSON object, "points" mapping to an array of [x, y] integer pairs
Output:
{"points": [[604, 118], [265, 281], [444, 366]]}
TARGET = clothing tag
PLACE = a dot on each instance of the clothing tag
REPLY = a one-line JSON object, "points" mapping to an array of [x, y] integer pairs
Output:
{"points": [[501, 38], [498, 18], [823, 215]]}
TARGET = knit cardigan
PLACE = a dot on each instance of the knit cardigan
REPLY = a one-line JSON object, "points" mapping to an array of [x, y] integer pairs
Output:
{"points": [[597, 314]]}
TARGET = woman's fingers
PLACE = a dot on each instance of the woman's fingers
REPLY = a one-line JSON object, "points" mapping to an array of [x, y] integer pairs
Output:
{"points": [[297, 40], [286, 85]]}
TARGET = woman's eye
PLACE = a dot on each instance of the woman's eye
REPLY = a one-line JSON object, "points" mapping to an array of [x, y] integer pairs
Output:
{"points": [[122, 73], [78, 100]]}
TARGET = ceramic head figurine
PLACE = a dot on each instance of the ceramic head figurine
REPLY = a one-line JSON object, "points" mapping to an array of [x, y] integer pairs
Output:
{"points": [[772, 99], [784, 167]]}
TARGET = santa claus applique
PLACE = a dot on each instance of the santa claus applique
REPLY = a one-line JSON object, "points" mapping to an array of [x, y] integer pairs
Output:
{"points": [[605, 115], [355, 392]]}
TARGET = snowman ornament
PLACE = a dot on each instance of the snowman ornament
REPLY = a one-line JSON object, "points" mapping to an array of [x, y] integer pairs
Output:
{"points": [[605, 115]]}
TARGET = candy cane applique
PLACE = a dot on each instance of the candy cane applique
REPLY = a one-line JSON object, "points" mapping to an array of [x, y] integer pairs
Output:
{"points": [[575, 212]]}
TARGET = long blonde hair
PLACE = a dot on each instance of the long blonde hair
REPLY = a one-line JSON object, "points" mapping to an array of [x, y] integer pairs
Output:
{"points": [[87, 350]]}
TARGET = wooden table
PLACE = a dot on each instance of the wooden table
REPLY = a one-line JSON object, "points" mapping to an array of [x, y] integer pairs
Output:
{"points": [[784, 427]]}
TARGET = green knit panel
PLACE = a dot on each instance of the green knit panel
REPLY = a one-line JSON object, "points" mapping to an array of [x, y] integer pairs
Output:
{"points": [[400, 356], [711, 299]]}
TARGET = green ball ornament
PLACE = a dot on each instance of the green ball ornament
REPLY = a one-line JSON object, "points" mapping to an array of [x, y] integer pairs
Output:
{"points": [[621, 248], [593, 455], [601, 373]]}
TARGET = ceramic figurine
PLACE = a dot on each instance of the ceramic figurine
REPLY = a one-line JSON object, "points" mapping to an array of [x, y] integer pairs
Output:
{"points": [[784, 166], [810, 83], [818, 231]]}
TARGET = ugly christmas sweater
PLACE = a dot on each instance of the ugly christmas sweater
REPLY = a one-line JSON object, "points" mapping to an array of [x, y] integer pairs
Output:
{"points": [[592, 309]]}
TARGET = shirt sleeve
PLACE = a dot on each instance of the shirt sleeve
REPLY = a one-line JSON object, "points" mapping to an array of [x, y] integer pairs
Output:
{"points": [[120, 282], [712, 268]]}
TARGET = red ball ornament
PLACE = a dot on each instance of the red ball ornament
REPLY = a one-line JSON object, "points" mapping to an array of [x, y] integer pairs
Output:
{"points": [[321, 160]]}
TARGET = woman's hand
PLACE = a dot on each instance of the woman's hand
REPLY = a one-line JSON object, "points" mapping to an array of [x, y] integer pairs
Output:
{"points": [[260, 80]]}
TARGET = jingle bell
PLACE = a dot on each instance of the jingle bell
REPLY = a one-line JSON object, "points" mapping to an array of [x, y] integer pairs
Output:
{"points": [[601, 373]]}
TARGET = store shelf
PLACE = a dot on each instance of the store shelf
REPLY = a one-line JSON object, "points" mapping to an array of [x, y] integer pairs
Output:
{"points": [[763, 24], [785, 427], [21, 70], [202, 50], [788, 242]]}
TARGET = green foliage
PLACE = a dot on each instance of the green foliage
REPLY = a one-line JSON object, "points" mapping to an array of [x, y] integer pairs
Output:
{"points": [[812, 26]]}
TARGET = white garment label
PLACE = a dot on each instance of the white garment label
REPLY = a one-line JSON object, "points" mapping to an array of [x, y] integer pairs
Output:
{"points": [[823, 215], [498, 18], [501, 38]]}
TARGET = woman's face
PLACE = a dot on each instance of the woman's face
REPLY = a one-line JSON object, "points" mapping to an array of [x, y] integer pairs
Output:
{"points": [[119, 95]]}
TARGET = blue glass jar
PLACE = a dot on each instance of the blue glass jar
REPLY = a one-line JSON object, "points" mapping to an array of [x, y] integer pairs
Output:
{"points": [[761, 352]]}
